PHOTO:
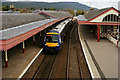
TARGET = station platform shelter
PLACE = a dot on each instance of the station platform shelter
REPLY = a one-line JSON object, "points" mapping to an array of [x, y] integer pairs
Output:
{"points": [[104, 23], [101, 26], [12, 36]]}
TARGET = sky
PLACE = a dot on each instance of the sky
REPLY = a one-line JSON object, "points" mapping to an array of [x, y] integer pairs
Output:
{"points": [[92, 3]]}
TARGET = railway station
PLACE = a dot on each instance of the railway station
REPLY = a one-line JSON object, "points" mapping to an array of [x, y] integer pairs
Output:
{"points": [[25, 30], [99, 30], [93, 39], [106, 20]]}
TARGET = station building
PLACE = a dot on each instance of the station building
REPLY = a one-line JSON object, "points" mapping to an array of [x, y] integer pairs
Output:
{"points": [[104, 23]]}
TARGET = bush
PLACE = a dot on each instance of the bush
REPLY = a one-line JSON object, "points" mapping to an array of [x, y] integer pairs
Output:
{"points": [[5, 8]]}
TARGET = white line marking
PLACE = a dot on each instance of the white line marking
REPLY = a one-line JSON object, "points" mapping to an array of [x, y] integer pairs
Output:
{"points": [[29, 64]]}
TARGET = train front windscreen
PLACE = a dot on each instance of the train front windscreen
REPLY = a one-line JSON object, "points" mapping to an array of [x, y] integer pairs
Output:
{"points": [[52, 38]]}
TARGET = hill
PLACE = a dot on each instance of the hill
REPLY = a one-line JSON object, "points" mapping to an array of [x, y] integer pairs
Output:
{"points": [[41, 5]]}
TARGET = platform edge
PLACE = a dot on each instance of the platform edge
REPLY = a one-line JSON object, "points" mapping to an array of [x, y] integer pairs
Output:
{"points": [[30, 64], [92, 68]]}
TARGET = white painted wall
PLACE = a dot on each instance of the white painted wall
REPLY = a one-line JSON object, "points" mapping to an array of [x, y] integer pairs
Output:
{"points": [[100, 18], [113, 40]]}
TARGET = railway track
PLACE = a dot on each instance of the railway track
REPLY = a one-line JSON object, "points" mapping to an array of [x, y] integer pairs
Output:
{"points": [[75, 46], [68, 63], [45, 68]]}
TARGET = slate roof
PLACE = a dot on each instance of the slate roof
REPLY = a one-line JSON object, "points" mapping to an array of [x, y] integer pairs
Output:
{"points": [[58, 14], [91, 14], [18, 30], [10, 20], [81, 18]]}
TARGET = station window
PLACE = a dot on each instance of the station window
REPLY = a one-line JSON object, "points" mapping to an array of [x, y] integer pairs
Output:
{"points": [[111, 18]]}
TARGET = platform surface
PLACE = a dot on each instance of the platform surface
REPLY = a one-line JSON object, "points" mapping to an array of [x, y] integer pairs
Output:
{"points": [[18, 60], [104, 52]]}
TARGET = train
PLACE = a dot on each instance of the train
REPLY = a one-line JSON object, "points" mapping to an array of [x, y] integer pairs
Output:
{"points": [[54, 38]]}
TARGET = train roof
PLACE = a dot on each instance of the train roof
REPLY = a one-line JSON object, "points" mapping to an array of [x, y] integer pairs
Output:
{"points": [[61, 26], [53, 31]]}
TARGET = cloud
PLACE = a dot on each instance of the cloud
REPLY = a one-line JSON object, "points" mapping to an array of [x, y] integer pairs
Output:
{"points": [[3, 0], [105, 4], [119, 5]]}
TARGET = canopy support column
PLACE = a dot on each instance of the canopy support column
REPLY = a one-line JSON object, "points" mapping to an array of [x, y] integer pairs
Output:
{"points": [[45, 31], [98, 33], [6, 59], [40, 34], [34, 38], [23, 46]]}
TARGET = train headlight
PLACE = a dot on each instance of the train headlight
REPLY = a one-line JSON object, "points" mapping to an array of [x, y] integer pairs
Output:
{"points": [[45, 44], [58, 45]]}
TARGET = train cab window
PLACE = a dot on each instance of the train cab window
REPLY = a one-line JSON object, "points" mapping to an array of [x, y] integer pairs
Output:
{"points": [[52, 38]]}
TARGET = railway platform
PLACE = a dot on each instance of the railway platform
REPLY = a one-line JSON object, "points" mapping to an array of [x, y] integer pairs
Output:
{"points": [[104, 53], [19, 61]]}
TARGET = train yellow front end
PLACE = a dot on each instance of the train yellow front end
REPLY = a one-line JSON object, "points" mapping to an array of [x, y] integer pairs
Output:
{"points": [[52, 41]]}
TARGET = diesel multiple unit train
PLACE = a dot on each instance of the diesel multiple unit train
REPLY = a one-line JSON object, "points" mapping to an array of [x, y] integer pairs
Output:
{"points": [[54, 37]]}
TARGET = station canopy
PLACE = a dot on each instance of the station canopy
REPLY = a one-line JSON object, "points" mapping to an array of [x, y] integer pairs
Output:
{"points": [[18, 30]]}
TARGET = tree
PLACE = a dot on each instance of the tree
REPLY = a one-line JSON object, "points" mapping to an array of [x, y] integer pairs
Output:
{"points": [[82, 12], [21, 11], [33, 9], [5, 8], [51, 8], [71, 11], [78, 13]]}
